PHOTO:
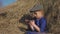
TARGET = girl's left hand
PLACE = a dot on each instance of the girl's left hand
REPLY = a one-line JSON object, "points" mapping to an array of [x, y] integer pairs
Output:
{"points": [[32, 22]]}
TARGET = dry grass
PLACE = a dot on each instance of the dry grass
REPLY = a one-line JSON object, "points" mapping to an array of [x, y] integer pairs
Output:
{"points": [[10, 15]]}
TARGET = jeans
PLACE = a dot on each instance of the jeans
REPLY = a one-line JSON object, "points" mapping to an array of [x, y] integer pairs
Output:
{"points": [[29, 32]]}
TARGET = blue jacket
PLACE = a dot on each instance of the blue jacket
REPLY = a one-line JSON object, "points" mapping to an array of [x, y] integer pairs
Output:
{"points": [[41, 23]]}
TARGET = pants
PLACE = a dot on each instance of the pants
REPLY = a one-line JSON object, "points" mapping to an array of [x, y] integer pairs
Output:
{"points": [[29, 32]]}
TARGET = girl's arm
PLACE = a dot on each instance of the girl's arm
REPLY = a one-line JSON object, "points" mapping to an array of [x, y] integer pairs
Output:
{"points": [[35, 26]]}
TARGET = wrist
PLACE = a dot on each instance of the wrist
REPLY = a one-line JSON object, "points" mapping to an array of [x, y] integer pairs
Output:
{"points": [[34, 25]]}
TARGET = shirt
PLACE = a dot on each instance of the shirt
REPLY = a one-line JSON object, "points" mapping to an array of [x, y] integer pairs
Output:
{"points": [[41, 23]]}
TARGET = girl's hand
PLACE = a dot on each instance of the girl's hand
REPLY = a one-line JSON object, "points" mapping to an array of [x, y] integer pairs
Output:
{"points": [[34, 25], [32, 22]]}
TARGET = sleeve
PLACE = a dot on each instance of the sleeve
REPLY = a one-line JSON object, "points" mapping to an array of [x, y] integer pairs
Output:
{"points": [[43, 25]]}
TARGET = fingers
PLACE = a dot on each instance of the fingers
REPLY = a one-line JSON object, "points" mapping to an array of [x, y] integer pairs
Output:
{"points": [[30, 21]]}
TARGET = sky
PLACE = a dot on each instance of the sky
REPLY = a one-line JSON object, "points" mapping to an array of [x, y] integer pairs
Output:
{"points": [[7, 2]]}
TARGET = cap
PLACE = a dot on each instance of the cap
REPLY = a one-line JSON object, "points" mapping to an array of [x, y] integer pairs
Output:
{"points": [[36, 7]]}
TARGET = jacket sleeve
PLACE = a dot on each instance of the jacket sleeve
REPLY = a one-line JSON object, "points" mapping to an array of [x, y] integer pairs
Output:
{"points": [[43, 25]]}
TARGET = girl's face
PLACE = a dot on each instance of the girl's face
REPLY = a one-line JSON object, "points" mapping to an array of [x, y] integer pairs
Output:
{"points": [[38, 14]]}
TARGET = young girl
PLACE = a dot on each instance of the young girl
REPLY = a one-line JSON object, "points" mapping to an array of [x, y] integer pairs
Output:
{"points": [[39, 23]]}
